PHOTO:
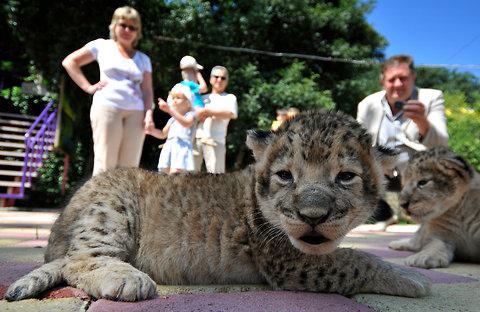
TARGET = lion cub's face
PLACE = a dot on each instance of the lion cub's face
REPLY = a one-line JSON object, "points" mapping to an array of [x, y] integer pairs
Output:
{"points": [[317, 178], [433, 182]]}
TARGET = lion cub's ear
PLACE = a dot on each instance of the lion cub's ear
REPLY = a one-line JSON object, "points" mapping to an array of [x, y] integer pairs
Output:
{"points": [[257, 141], [387, 157], [456, 164]]}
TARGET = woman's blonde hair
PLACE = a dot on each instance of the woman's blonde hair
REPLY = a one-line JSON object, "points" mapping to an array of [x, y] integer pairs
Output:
{"points": [[126, 13]]}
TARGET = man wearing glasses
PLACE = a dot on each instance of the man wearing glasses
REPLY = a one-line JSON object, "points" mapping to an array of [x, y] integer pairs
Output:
{"points": [[222, 107]]}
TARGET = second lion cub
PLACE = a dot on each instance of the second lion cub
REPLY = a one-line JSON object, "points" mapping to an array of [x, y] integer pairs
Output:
{"points": [[442, 191]]}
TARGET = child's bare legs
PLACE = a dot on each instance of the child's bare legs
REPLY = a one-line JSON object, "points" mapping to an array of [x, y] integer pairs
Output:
{"points": [[207, 139], [175, 170], [166, 170]]}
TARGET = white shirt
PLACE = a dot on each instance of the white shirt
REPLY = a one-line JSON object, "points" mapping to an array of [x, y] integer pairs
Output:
{"points": [[392, 130], [122, 75], [223, 101], [390, 133]]}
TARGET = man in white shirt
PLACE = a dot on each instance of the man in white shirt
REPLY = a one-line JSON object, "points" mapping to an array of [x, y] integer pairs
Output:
{"points": [[222, 107], [403, 116]]}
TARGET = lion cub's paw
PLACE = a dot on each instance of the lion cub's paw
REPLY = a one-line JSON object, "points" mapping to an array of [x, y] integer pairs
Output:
{"points": [[427, 261], [401, 244], [129, 287], [120, 284], [22, 289], [412, 284]]}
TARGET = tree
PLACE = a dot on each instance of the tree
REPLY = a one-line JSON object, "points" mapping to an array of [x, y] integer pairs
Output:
{"points": [[449, 81], [262, 83], [463, 123]]}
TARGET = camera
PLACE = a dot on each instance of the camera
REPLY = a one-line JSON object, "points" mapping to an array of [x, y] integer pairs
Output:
{"points": [[399, 105]]}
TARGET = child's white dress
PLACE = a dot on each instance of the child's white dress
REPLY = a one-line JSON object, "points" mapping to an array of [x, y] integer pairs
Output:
{"points": [[177, 152]]}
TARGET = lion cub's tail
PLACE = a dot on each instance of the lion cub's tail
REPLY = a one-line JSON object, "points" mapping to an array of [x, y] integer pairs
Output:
{"points": [[37, 281]]}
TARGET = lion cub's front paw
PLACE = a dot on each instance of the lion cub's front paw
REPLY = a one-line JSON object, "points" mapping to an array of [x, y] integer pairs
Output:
{"points": [[122, 283], [410, 284], [22, 289], [427, 261], [128, 287], [401, 244]]}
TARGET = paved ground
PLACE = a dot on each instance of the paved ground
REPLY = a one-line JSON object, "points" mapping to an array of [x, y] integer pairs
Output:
{"points": [[23, 236]]}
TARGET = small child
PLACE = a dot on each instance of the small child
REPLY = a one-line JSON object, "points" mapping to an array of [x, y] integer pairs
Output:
{"points": [[177, 152], [282, 116], [193, 79]]}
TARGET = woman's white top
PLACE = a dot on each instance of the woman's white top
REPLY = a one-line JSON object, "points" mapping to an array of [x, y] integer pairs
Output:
{"points": [[122, 75]]}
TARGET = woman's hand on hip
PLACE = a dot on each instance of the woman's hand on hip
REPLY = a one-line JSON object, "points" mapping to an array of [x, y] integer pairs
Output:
{"points": [[91, 89]]}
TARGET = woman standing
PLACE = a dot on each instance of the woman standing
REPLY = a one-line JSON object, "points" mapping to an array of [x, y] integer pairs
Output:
{"points": [[122, 99]]}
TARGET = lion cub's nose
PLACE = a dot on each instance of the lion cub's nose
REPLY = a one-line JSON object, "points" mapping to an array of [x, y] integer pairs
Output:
{"points": [[313, 216], [314, 205]]}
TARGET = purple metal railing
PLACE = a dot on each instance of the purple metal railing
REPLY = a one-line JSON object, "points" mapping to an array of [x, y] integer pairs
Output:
{"points": [[36, 147]]}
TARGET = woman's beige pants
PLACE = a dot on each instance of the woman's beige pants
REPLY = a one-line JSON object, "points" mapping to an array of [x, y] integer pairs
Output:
{"points": [[118, 136]]}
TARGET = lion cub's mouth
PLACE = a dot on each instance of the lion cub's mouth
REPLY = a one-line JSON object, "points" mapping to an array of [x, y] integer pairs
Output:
{"points": [[314, 238]]}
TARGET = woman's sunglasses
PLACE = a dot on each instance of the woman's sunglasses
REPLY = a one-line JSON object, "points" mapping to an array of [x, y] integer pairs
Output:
{"points": [[221, 77], [126, 26]]}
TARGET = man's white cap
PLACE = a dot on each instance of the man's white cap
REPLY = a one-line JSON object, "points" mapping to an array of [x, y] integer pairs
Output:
{"points": [[179, 88], [189, 62]]}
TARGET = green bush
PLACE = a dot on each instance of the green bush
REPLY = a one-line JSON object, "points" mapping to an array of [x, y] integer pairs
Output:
{"points": [[47, 188], [292, 86], [463, 121]]}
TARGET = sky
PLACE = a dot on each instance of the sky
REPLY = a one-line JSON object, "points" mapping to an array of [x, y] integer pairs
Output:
{"points": [[432, 31]]}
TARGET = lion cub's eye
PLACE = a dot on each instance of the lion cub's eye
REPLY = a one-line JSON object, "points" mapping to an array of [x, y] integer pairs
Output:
{"points": [[285, 175], [345, 177], [422, 183]]}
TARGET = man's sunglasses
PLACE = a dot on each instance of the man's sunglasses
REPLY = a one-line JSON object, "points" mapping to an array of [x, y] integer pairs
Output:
{"points": [[126, 26], [221, 77]]}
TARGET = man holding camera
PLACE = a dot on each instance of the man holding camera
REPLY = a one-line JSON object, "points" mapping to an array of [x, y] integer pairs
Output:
{"points": [[403, 116]]}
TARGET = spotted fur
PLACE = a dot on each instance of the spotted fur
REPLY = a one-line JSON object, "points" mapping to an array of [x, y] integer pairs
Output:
{"points": [[442, 191], [278, 221]]}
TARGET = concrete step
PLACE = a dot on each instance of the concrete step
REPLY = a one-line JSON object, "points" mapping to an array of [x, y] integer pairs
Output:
{"points": [[12, 153], [18, 116], [12, 137], [14, 129], [12, 173], [14, 163], [22, 123], [11, 144], [19, 154], [13, 184]]}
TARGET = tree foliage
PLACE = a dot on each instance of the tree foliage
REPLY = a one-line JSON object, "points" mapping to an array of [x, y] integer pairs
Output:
{"points": [[449, 81], [46, 32], [463, 120], [297, 26]]}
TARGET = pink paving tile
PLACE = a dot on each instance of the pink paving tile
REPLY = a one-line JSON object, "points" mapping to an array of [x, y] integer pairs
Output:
{"points": [[375, 238], [435, 276], [265, 301], [385, 252], [10, 272], [16, 234], [444, 278], [65, 292], [33, 243]]}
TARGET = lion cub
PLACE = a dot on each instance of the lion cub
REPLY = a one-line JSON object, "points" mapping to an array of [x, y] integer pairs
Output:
{"points": [[442, 191], [278, 221]]}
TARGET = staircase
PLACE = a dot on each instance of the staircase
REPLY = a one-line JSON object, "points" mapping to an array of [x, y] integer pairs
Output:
{"points": [[24, 143]]}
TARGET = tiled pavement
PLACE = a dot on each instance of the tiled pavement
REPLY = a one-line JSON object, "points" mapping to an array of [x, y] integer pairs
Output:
{"points": [[23, 236]]}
